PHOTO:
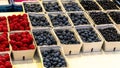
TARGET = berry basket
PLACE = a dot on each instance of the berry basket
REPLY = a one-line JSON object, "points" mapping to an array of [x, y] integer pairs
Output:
{"points": [[49, 6], [69, 48], [42, 18], [53, 40], [80, 18], [24, 51], [18, 21], [89, 45], [54, 48], [111, 43], [71, 5], [5, 60], [59, 23]]}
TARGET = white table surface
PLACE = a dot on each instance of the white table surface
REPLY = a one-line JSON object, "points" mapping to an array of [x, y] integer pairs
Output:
{"points": [[86, 60]]}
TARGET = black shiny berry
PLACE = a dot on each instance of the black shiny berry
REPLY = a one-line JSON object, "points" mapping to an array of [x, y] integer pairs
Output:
{"points": [[100, 18], [89, 5], [115, 16], [107, 4], [110, 34]]}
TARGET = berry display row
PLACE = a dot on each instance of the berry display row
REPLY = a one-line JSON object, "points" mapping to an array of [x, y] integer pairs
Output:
{"points": [[59, 6]]}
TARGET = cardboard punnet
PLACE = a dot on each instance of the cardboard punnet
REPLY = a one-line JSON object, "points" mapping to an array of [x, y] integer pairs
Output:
{"points": [[109, 45], [41, 49], [22, 54], [90, 46], [70, 48], [50, 31]]}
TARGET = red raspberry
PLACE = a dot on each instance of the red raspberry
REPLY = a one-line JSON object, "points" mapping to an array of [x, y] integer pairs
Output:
{"points": [[2, 66], [32, 46], [8, 64], [7, 57]]}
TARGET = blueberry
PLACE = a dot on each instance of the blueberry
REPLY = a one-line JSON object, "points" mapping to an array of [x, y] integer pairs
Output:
{"points": [[59, 20], [32, 7], [52, 7], [89, 5], [44, 38], [88, 35], [107, 4], [39, 21], [71, 6], [110, 34], [66, 37], [78, 19], [115, 16], [100, 18], [53, 58]]}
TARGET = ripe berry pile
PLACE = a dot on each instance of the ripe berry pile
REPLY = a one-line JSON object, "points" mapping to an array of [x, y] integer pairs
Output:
{"points": [[21, 41], [44, 38], [115, 16], [18, 22], [5, 61], [59, 20], [71, 6], [100, 18], [66, 37], [107, 4], [30, 7], [88, 35], [110, 34], [52, 7], [39, 21], [4, 44], [89, 5], [78, 19], [3, 24], [53, 58]]}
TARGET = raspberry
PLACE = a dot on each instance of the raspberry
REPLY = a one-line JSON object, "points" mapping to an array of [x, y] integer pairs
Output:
{"points": [[21, 41], [19, 22]]}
